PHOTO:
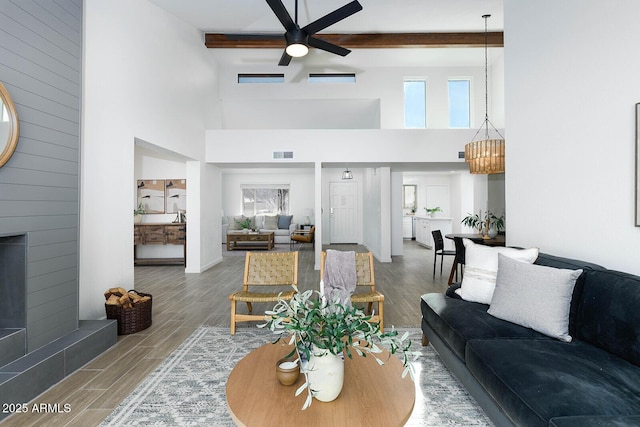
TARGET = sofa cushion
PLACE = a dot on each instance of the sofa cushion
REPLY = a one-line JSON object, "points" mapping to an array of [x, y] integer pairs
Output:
{"points": [[536, 380], [534, 296], [456, 321], [481, 265], [600, 421], [284, 221], [609, 313], [270, 222]]}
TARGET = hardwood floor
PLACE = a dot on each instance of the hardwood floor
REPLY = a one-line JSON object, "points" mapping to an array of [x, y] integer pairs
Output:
{"points": [[182, 302]]}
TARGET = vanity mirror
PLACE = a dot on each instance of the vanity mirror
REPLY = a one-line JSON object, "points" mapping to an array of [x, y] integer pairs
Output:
{"points": [[8, 126]]}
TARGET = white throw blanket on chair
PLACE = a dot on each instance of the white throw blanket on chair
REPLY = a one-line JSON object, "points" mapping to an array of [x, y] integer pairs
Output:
{"points": [[339, 276]]}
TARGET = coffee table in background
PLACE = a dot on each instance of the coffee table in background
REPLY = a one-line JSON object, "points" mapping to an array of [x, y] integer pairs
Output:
{"points": [[372, 395], [253, 240]]}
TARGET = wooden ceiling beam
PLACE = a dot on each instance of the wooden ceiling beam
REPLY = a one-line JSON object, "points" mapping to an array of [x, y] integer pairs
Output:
{"points": [[361, 41]]}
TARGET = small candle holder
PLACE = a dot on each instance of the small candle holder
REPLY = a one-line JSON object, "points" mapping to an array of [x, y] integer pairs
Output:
{"points": [[288, 370]]}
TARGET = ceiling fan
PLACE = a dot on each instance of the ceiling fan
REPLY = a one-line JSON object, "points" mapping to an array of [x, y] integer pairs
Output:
{"points": [[300, 39]]}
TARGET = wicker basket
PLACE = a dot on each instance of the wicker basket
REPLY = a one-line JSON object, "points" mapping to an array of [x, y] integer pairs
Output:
{"points": [[131, 320]]}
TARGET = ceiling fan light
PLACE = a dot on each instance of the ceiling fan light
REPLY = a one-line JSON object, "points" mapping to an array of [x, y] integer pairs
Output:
{"points": [[297, 50]]}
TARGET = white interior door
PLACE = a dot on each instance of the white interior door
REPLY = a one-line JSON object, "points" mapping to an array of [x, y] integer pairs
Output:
{"points": [[343, 212]]}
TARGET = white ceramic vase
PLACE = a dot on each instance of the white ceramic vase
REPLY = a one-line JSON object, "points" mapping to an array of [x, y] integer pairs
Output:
{"points": [[326, 374], [493, 232]]}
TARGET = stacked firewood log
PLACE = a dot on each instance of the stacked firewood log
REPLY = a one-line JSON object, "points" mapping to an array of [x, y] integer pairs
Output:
{"points": [[120, 296]]}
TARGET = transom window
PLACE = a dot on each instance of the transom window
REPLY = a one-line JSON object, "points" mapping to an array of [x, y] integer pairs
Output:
{"points": [[332, 78], [260, 78]]}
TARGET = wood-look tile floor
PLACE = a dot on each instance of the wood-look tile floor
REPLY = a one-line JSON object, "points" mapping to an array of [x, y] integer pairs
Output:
{"points": [[182, 302]]}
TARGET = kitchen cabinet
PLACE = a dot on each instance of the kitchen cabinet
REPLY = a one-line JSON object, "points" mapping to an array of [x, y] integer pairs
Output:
{"points": [[407, 227], [424, 226]]}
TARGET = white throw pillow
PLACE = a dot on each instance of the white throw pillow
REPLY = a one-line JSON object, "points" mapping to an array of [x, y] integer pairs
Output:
{"points": [[481, 266], [271, 222], [534, 296]]}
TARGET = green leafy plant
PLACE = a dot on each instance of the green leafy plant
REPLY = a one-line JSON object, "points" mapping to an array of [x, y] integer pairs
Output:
{"points": [[474, 221], [140, 210], [497, 221], [312, 322], [433, 210], [245, 223]]}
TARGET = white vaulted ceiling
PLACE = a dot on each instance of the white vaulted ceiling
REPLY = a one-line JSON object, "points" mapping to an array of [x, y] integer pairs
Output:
{"points": [[377, 16]]}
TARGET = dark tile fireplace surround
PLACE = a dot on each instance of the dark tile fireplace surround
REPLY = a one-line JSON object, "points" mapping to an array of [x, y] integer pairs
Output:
{"points": [[25, 374]]}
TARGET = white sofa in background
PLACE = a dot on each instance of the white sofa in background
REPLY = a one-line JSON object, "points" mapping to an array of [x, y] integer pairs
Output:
{"points": [[282, 234]]}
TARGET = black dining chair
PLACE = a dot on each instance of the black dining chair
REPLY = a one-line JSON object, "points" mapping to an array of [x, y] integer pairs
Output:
{"points": [[438, 249], [458, 260]]}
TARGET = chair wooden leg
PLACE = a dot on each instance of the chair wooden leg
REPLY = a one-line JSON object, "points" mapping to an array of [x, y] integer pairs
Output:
{"points": [[233, 317], [249, 307], [454, 267], [381, 314], [370, 307], [425, 341]]}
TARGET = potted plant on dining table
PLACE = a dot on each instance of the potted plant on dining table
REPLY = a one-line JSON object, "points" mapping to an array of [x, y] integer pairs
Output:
{"points": [[490, 223], [322, 332]]}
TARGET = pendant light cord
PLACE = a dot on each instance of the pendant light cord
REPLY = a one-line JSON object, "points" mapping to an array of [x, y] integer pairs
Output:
{"points": [[487, 122], [486, 79]]}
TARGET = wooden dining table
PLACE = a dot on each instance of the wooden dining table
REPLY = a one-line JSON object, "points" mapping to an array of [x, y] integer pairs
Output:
{"points": [[499, 240]]}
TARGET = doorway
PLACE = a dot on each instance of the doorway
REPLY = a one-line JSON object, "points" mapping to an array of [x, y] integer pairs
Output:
{"points": [[343, 212]]}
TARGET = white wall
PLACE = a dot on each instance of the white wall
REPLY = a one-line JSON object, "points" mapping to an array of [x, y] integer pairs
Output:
{"points": [[397, 244], [300, 181], [203, 234], [147, 75], [570, 92], [381, 88], [495, 194], [336, 145], [423, 181]]}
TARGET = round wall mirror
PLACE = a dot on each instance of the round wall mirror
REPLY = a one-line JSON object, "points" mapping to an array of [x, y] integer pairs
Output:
{"points": [[8, 126]]}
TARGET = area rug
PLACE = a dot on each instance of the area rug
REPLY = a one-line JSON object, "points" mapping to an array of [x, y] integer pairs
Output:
{"points": [[188, 388]]}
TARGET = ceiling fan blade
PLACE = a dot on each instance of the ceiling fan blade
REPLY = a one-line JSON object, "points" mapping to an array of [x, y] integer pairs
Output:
{"points": [[329, 47], [282, 14], [285, 59], [333, 17]]}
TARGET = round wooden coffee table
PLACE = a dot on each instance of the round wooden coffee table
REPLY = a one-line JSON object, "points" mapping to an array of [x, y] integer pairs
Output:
{"points": [[372, 395]]}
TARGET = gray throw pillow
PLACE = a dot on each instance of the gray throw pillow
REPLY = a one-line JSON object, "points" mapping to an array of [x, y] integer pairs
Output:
{"points": [[284, 221], [270, 222], [534, 296]]}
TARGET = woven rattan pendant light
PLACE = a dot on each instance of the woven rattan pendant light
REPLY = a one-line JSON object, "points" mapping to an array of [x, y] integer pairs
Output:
{"points": [[485, 156]]}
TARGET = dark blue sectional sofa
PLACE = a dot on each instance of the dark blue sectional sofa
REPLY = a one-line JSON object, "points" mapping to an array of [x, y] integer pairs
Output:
{"points": [[521, 377]]}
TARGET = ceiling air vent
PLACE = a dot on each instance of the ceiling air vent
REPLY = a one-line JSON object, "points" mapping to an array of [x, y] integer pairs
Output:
{"points": [[283, 154]]}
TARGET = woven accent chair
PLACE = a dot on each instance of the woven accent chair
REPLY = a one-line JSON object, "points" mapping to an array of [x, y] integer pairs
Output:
{"points": [[365, 278], [264, 269]]}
